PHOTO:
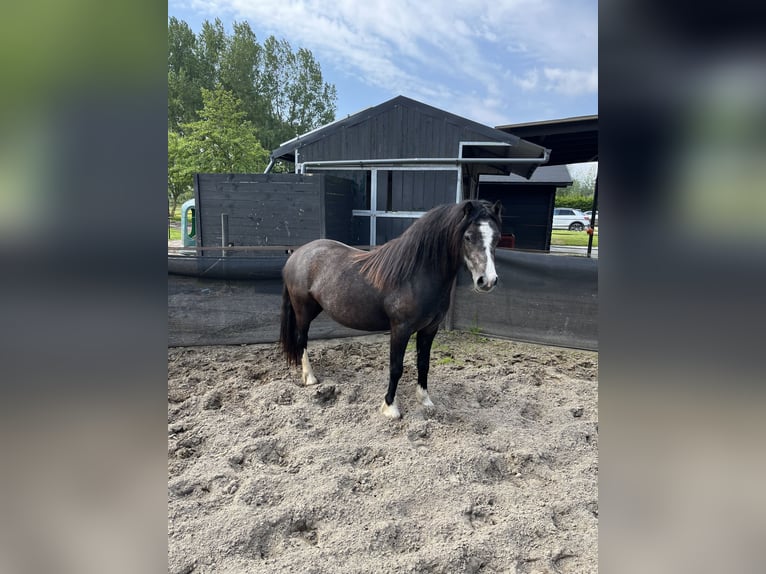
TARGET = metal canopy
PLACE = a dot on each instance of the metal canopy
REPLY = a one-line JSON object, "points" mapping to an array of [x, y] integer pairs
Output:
{"points": [[556, 175], [571, 140]]}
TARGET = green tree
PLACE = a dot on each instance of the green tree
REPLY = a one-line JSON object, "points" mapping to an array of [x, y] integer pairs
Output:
{"points": [[184, 96], [230, 99], [223, 140], [298, 98], [312, 100], [180, 171], [282, 92], [239, 70], [212, 46]]}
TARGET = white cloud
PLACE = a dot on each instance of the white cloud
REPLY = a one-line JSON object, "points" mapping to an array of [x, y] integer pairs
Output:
{"points": [[528, 81], [571, 82]]}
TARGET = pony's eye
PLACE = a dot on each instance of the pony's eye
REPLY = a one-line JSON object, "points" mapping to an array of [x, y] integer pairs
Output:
{"points": [[467, 237]]}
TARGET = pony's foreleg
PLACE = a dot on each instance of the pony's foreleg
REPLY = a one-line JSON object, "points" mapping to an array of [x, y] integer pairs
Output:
{"points": [[424, 341], [308, 373], [399, 338]]}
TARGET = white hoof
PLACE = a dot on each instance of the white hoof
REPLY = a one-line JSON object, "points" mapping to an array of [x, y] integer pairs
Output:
{"points": [[308, 373], [390, 411], [423, 397]]}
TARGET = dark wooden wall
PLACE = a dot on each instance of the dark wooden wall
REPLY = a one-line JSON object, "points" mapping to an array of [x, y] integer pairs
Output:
{"points": [[336, 201], [527, 212], [397, 131], [397, 191], [273, 209]]}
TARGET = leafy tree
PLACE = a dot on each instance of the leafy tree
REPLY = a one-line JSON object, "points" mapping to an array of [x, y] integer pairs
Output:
{"points": [[182, 47], [282, 92], [581, 202], [579, 195], [292, 84], [239, 69], [212, 46], [221, 141], [312, 101], [180, 171], [184, 96]]}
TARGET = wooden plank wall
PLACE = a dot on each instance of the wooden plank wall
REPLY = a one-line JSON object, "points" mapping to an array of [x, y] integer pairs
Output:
{"points": [[273, 209], [263, 209], [397, 132], [527, 211], [338, 200]]}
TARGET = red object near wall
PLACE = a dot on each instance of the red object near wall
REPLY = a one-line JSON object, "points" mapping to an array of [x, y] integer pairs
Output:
{"points": [[507, 241]]}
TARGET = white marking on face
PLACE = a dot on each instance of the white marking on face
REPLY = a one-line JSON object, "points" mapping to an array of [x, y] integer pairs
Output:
{"points": [[487, 235]]}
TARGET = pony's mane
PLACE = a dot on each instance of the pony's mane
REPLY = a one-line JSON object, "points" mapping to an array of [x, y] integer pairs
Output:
{"points": [[433, 243]]}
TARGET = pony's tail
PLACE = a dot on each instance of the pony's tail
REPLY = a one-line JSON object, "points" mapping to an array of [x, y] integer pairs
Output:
{"points": [[288, 333]]}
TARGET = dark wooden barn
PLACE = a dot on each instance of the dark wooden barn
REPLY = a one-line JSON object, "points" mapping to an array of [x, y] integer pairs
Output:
{"points": [[404, 157]]}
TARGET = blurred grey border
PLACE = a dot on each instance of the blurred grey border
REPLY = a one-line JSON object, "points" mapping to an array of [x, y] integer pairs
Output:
{"points": [[83, 231], [682, 259]]}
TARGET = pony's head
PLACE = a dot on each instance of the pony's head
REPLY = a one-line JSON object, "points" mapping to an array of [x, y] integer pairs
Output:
{"points": [[481, 235]]}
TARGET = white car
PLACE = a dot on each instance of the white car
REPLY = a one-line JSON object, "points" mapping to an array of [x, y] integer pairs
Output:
{"points": [[587, 216], [569, 218]]}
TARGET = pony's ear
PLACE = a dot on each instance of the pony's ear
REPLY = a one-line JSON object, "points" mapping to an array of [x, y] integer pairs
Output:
{"points": [[468, 209], [497, 208]]}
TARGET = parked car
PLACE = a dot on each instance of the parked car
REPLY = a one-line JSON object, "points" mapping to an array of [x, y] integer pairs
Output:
{"points": [[587, 216], [569, 218]]}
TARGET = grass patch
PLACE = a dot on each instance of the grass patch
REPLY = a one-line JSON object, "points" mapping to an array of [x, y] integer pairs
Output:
{"points": [[174, 233], [575, 238]]}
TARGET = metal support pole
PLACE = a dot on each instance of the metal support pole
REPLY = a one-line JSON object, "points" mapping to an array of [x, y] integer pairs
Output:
{"points": [[373, 207], [593, 216]]}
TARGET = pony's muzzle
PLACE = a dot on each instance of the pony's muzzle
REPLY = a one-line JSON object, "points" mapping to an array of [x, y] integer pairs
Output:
{"points": [[485, 284]]}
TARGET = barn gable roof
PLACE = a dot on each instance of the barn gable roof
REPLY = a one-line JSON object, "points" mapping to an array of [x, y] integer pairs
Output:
{"points": [[405, 128]]}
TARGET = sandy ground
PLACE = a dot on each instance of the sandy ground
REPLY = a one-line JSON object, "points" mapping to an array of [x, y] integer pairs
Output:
{"points": [[266, 475]]}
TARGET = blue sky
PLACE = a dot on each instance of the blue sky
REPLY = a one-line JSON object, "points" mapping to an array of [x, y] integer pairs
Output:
{"points": [[493, 61]]}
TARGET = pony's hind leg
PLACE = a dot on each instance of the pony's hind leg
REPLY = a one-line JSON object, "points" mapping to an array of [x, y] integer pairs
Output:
{"points": [[424, 341], [308, 312], [307, 376]]}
